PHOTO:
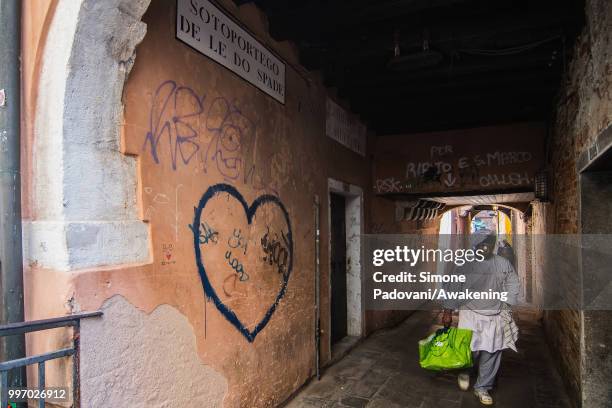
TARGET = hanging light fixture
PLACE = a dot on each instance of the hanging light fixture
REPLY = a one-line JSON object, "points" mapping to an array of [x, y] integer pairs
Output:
{"points": [[413, 62]]}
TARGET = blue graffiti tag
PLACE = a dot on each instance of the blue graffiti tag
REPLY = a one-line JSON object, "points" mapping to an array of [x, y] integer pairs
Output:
{"points": [[230, 129], [249, 211], [171, 118]]}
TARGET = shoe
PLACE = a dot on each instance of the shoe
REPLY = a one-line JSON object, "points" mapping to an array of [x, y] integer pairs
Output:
{"points": [[464, 381], [484, 397]]}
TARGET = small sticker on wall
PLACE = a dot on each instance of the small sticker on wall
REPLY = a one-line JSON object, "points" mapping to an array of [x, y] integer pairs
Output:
{"points": [[168, 254]]}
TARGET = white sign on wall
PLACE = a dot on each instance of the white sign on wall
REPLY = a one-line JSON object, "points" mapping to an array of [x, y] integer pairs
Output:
{"points": [[344, 128], [207, 29]]}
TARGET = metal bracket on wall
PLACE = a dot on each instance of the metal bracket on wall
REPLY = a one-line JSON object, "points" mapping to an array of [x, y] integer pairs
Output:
{"points": [[417, 210], [593, 151]]}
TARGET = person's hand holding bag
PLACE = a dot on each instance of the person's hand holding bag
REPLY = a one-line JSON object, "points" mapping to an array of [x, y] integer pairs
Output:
{"points": [[447, 318]]}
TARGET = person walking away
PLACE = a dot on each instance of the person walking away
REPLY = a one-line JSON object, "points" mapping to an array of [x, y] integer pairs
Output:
{"points": [[489, 319]]}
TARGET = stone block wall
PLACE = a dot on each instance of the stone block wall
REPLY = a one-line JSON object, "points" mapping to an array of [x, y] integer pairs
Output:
{"points": [[583, 110]]}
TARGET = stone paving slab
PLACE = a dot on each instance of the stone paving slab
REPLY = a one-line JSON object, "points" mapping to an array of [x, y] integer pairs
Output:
{"points": [[383, 372]]}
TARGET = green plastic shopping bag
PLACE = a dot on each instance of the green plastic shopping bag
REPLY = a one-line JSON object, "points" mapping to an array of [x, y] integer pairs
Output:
{"points": [[446, 349]]}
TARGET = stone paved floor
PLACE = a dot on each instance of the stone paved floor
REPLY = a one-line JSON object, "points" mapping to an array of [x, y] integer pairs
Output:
{"points": [[383, 372]]}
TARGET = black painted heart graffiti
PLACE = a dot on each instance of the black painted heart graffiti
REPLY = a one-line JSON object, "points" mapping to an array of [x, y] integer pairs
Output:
{"points": [[256, 256]]}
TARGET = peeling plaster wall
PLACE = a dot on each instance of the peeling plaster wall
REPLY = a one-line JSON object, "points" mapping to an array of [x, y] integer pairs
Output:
{"points": [[83, 197], [111, 214], [149, 360], [354, 214], [257, 148]]}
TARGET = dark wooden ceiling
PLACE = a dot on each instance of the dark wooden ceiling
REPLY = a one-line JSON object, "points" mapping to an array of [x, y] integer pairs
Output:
{"points": [[500, 60]]}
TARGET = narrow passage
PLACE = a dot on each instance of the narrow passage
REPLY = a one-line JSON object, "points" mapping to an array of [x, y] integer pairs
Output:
{"points": [[383, 372]]}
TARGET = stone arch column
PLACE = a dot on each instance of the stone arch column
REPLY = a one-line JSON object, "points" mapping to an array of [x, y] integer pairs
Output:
{"points": [[85, 190]]}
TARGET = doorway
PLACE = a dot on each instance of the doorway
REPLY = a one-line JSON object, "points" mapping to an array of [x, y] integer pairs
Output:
{"points": [[596, 225], [345, 278]]}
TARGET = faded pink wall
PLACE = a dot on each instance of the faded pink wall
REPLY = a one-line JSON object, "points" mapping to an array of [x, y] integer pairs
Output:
{"points": [[35, 24]]}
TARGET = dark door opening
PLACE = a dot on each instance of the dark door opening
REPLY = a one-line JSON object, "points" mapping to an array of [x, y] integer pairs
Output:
{"points": [[338, 268], [596, 207]]}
